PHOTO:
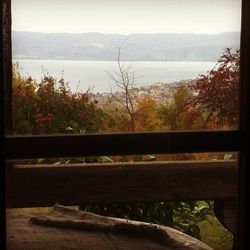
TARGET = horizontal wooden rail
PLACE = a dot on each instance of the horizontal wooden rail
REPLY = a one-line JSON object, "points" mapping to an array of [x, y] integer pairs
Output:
{"points": [[121, 144], [44, 185]]}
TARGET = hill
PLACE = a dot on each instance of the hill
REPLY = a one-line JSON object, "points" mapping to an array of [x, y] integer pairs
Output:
{"points": [[138, 47]]}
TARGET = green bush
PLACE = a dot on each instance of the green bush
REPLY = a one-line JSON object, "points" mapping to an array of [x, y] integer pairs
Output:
{"points": [[184, 216]]}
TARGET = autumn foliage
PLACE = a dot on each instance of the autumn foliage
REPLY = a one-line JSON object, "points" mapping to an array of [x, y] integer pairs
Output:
{"points": [[50, 107], [217, 93], [147, 118], [179, 114], [211, 101]]}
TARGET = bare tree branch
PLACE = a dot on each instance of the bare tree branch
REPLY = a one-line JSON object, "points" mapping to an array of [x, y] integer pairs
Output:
{"points": [[124, 79]]}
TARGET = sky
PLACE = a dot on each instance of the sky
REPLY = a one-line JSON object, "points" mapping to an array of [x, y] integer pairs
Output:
{"points": [[127, 16]]}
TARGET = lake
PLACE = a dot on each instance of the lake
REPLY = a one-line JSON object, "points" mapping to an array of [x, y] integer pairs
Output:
{"points": [[82, 75]]}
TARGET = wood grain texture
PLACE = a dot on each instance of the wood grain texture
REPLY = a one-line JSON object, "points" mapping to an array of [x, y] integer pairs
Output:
{"points": [[44, 185]]}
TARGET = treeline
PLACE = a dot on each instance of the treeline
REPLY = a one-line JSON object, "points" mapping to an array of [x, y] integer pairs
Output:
{"points": [[210, 102]]}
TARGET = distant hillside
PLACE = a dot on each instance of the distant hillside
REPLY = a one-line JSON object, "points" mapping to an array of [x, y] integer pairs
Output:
{"points": [[138, 47]]}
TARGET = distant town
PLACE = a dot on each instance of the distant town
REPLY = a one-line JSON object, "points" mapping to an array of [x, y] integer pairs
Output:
{"points": [[161, 92]]}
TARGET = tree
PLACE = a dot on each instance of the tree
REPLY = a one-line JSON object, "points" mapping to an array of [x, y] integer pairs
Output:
{"points": [[218, 91], [50, 107], [147, 119], [23, 102], [115, 118], [124, 78], [178, 114]]}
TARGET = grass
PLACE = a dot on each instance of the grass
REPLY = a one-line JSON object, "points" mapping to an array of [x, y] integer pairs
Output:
{"points": [[215, 235]]}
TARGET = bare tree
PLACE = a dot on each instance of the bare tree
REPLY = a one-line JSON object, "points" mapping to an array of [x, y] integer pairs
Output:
{"points": [[124, 78]]}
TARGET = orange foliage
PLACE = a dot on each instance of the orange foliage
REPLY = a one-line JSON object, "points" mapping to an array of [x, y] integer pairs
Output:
{"points": [[146, 118]]}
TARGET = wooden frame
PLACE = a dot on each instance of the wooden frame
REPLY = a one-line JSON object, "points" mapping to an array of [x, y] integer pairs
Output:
{"points": [[242, 236], [49, 146]]}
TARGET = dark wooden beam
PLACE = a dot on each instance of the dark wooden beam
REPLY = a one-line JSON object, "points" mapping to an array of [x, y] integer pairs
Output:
{"points": [[121, 144], [44, 185], [243, 230], [5, 100], [6, 64]]}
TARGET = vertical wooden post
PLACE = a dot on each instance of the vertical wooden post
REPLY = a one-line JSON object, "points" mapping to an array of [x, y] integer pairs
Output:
{"points": [[5, 101], [6, 64], [2, 172], [243, 239]]}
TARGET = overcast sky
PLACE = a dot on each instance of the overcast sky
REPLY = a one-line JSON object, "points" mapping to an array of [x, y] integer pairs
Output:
{"points": [[127, 16]]}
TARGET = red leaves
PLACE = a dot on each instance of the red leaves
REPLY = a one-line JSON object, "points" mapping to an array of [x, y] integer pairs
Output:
{"points": [[218, 91], [44, 122], [30, 79], [50, 107]]}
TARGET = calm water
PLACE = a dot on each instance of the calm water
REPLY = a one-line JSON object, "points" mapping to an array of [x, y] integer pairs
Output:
{"points": [[82, 75]]}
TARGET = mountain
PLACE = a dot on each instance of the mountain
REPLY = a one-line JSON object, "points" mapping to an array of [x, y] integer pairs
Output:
{"points": [[138, 47]]}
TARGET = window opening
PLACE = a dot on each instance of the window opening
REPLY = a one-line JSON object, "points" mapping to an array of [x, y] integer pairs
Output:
{"points": [[234, 145], [178, 72]]}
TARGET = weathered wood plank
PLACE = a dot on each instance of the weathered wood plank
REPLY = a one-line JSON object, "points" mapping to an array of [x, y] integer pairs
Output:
{"points": [[44, 185], [27, 147]]}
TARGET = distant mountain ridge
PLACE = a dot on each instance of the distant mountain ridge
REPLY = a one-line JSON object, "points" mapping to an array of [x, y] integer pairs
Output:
{"points": [[138, 47]]}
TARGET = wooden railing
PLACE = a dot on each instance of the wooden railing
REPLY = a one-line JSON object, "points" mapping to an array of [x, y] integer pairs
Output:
{"points": [[79, 184], [44, 185]]}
